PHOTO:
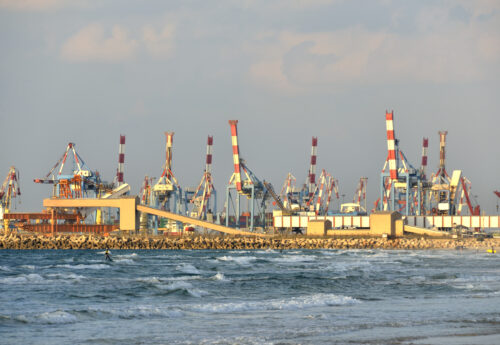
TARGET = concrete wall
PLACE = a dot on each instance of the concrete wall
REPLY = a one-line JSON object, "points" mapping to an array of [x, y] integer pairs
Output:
{"points": [[318, 227], [384, 222], [127, 206]]}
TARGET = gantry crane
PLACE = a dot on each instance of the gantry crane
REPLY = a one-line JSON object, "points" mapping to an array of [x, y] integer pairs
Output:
{"points": [[401, 185], [167, 193], [247, 185], [203, 199], [145, 199], [441, 194], [80, 182], [9, 190], [359, 197], [289, 195]]}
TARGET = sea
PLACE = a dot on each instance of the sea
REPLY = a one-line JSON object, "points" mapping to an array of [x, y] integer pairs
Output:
{"points": [[249, 297]]}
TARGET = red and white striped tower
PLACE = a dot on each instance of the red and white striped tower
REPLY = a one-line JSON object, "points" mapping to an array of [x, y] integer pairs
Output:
{"points": [[121, 161], [442, 156], [312, 169], [391, 145], [423, 167], [167, 172], [208, 167], [236, 154]]}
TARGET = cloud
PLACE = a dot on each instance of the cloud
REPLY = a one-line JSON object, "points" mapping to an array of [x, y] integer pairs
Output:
{"points": [[37, 5], [159, 44], [91, 44], [455, 51]]}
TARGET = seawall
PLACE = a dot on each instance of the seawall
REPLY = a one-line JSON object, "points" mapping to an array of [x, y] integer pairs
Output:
{"points": [[16, 241]]}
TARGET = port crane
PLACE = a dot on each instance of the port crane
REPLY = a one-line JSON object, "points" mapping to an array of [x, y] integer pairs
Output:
{"points": [[80, 182], [167, 193], [441, 193], [400, 182], [9, 190], [203, 198], [359, 197], [244, 182]]}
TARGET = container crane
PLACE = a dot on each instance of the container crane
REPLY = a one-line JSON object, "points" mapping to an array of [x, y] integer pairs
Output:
{"points": [[81, 182], [288, 194], [145, 199], [204, 197], [247, 185], [402, 183], [358, 199], [10, 190], [167, 193], [319, 203]]}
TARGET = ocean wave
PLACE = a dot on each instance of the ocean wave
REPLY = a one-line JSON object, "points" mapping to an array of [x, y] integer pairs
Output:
{"points": [[28, 267], [67, 276], [181, 286], [23, 278], [124, 261], [294, 303], [149, 280], [187, 268], [56, 317], [84, 267], [131, 255], [136, 312], [240, 260], [294, 259], [5, 269], [220, 276], [50, 318]]}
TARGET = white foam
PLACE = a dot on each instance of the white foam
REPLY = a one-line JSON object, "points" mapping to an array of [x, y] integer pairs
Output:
{"points": [[5, 269], [150, 280], [294, 303], [187, 268], [220, 276], [240, 260], [29, 267], [23, 278], [84, 267], [131, 255], [143, 311], [294, 259], [57, 317], [182, 286], [67, 276], [125, 261]]}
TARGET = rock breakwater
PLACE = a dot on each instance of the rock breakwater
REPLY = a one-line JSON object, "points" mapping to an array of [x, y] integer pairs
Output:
{"points": [[17, 241]]}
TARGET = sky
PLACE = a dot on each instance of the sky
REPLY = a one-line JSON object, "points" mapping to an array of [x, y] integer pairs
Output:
{"points": [[87, 71]]}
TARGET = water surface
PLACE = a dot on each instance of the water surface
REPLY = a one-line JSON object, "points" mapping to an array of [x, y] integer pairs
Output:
{"points": [[249, 297]]}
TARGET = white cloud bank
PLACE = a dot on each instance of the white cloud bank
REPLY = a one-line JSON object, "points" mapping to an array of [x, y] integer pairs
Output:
{"points": [[38, 5], [460, 53], [93, 44]]}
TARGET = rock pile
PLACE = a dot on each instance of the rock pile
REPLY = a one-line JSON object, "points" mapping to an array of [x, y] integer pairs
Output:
{"points": [[16, 241]]}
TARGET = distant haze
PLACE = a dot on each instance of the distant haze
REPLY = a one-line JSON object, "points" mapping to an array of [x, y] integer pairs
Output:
{"points": [[88, 71]]}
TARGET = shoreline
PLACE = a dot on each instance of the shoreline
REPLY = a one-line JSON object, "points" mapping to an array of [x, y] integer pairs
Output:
{"points": [[73, 242]]}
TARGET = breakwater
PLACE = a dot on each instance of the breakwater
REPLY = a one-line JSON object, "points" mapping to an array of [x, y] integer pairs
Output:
{"points": [[17, 241]]}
